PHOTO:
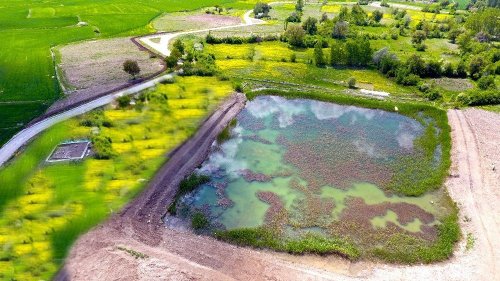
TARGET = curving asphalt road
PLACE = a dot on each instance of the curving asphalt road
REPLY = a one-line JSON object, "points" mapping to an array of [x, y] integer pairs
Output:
{"points": [[18, 140], [162, 46]]}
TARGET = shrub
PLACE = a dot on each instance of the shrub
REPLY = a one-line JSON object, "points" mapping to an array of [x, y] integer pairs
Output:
{"points": [[238, 87], [404, 77], [351, 82], [179, 46], [474, 97], [171, 61], [420, 47], [102, 148], [199, 221], [340, 30], [448, 70], [123, 101], [433, 69], [486, 82], [131, 67], [432, 95], [293, 57]]}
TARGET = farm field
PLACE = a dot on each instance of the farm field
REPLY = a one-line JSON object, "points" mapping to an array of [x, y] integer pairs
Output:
{"points": [[49, 205], [30, 28]]}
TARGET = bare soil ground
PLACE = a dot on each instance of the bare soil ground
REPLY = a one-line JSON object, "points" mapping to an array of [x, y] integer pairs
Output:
{"points": [[173, 255], [453, 84], [193, 21], [91, 68]]}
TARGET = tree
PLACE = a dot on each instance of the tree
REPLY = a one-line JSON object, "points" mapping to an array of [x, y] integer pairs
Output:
{"points": [[340, 30], [416, 65], [293, 17], [294, 35], [418, 37], [310, 26], [261, 10], [131, 67], [476, 66], [179, 46], [337, 53], [487, 21], [358, 15], [486, 82], [377, 15], [299, 7], [433, 69], [171, 61], [343, 14], [324, 17], [358, 52], [319, 57]]}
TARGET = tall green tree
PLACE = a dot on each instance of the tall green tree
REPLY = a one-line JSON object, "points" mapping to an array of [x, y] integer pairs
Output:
{"points": [[337, 53], [319, 57], [310, 26], [294, 35]]}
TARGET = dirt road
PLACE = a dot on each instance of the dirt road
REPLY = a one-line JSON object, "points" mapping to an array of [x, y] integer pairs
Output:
{"points": [[174, 255]]}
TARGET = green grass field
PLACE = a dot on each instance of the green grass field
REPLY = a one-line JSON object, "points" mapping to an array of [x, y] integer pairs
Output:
{"points": [[29, 28], [45, 207]]}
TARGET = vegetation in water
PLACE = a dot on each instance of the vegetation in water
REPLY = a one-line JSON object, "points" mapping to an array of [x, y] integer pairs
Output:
{"points": [[187, 185]]}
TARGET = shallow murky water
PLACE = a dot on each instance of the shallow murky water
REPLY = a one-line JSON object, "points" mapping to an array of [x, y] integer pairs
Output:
{"points": [[324, 162]]}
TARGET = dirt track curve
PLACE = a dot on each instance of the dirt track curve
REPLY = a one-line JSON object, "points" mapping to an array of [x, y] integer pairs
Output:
{"points": [[174, 255]]}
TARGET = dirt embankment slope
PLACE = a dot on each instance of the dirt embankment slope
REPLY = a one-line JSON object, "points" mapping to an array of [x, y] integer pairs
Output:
{"points": [[174, 255]]}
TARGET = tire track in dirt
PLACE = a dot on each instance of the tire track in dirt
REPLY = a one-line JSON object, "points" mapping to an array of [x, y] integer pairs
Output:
{"points": [[471, 169]]}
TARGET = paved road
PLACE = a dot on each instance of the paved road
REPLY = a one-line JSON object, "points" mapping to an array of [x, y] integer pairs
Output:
{"points": [[17, 141], [162, 46]]}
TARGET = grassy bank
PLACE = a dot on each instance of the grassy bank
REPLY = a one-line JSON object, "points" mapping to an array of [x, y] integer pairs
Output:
{"points": [[309, 243], [45, 207]]}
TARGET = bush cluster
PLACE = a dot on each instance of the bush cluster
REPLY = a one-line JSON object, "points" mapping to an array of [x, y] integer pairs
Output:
{"points": [[210, 39]]}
